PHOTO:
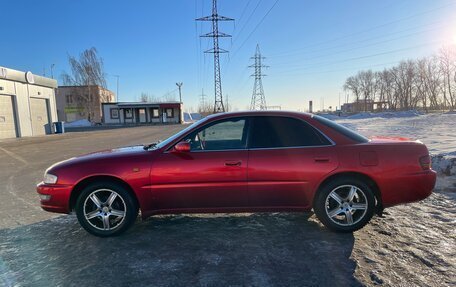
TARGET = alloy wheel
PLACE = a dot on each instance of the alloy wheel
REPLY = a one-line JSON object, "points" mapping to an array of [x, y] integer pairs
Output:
{"points": [[104, 209], [346, 205]]}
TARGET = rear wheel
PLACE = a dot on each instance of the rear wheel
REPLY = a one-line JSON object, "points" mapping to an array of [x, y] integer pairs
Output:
{"points": [[106, 209], [345, 204]]}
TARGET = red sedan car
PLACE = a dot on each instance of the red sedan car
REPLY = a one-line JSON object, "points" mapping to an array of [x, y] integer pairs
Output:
{"points": [[243, 162]]}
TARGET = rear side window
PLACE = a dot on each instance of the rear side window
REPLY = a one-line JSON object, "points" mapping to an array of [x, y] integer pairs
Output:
{"points": [[276, 132], [341, 129]]}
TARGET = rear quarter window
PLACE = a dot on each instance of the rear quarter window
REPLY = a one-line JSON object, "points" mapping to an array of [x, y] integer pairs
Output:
{"points": [[341, 129]]}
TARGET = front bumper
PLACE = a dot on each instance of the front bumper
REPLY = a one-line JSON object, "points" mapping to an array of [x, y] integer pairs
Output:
{"points": [[58, 197]]}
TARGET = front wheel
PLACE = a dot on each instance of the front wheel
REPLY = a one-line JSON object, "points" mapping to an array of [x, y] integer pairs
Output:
{"points": [[106, 209], [345, 204]]}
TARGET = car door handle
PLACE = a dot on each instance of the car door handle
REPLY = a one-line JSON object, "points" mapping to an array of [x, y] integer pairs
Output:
{"points": [[321, 159], [233, 163]]}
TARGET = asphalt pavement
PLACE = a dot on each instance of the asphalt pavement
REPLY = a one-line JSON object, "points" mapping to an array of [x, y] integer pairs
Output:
{"points": [[413, 245]]}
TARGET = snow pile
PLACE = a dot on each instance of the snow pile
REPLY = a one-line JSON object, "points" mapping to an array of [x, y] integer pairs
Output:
{"points": [[196, 116], [402, 114], [444, 164], [192, 117], [79, 123]]}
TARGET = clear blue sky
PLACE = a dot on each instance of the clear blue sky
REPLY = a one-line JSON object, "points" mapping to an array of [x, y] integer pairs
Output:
{"points": [[311, 46]]}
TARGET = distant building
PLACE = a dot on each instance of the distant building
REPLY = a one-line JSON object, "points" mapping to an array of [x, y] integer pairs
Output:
{"points": [[82, 102], [142, 113], [364, 106], [27, 104]]}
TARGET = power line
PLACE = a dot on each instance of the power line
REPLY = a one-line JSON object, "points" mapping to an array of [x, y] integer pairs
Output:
{"points": [[375, 27], [256, 27], [278, 55], [351, 49], [366, 56]]}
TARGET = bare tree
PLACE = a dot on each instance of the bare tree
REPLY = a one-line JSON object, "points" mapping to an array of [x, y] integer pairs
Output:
{"points": [[145, 98], [428, 83], [447, 63], [353, 85], [88, 71], [368, 86]]}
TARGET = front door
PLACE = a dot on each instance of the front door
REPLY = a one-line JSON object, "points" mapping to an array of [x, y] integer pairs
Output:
{"points": [[287, 157], [212, 175]]}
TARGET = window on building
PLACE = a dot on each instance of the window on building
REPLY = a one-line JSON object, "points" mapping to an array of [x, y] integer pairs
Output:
{"points": [[155, 113], [169, 113], [69, 99], [114, 113], [128, 114], [276, 132]]}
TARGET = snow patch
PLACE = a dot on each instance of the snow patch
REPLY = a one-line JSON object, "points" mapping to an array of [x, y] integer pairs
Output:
{"points": [[79, 123], [402, 114]]}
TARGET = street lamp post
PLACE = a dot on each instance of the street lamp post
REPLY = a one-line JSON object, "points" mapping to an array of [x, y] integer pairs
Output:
{"points": [[179, 85], [117, 92]]}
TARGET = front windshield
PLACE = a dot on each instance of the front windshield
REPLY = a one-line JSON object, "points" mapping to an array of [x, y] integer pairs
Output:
{"points": [[177, 135]]}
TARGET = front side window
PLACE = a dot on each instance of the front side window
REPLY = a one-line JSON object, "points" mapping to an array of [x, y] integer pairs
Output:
{"points": [[223, 135], [278, 132]]}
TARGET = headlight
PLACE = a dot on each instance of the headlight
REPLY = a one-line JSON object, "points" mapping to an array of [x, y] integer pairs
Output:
{"points": [[50, 178]]}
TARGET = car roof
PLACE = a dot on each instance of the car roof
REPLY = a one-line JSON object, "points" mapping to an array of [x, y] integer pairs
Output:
{"points": [[259, 113]]}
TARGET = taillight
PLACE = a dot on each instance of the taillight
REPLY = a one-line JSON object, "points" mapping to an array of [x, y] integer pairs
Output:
{"points": [[425, 162]]}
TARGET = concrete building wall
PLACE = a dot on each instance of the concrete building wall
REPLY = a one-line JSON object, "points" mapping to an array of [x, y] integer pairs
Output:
{"points": [[24, 88], [77, 102]]}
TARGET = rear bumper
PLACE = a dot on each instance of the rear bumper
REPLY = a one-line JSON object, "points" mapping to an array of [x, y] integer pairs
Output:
{"points": [[59, 197], [408, 188]]}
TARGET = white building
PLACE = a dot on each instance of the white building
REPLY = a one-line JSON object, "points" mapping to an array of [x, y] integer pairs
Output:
{"points": [[27, 104], [142, 113]]}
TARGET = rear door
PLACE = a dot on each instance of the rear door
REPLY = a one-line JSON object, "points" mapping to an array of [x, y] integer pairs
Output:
{"points": [[287, 157]]}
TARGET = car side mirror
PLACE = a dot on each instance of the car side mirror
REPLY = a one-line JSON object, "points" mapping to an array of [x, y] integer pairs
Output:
{"points": [[182, 147]]}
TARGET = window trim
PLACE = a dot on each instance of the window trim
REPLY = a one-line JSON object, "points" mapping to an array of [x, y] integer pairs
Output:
{"points": [[331, 142]]}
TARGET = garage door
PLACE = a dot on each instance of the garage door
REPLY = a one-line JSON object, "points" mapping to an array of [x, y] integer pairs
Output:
{"points": [[40, 118], [7, 122]]}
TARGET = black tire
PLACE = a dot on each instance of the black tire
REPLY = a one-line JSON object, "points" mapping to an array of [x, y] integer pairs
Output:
{"points": [[115, 212], [336, 216]]}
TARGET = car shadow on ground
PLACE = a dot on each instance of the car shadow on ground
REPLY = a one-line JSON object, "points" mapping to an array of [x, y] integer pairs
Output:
{"points": [[181, 250]]}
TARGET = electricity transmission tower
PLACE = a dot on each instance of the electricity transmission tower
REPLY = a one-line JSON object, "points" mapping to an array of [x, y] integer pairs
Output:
{"points": [[258, 99], [215, 35]]}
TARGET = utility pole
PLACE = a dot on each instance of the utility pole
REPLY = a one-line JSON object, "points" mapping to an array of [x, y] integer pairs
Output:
{"points": [[203, 98], [179, 85], [117, 76], [227, 104], [258, 99], [52, 73], [215, 34], [339, 102]]}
